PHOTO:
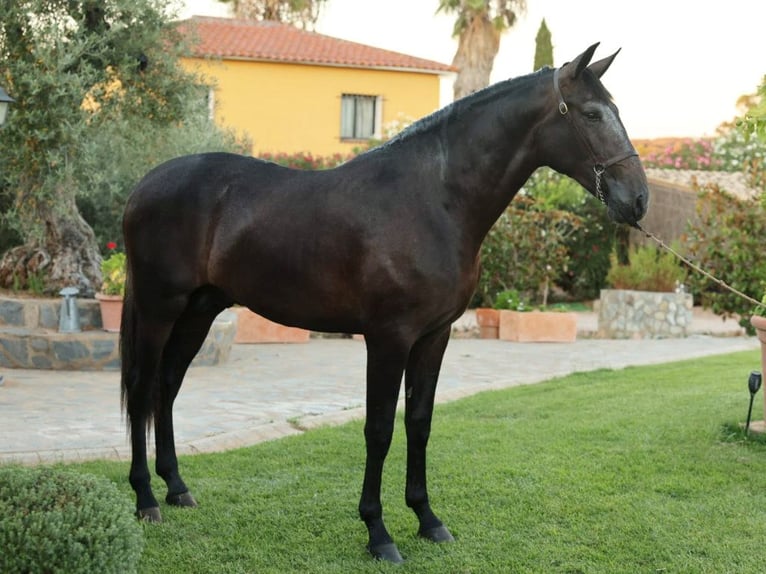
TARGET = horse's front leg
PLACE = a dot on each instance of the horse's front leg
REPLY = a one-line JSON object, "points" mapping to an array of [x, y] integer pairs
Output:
{"points": [[385, 365], [420, 388]]}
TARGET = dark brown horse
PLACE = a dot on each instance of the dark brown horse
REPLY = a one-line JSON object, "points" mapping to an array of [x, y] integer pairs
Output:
{"points": [[385, 245]]}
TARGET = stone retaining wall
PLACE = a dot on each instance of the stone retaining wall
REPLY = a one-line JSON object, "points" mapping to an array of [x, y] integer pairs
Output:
{"points": [[29, 338], [626, 314]]}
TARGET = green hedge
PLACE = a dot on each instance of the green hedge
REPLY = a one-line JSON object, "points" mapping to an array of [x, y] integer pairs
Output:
{"points": [[54, 521]]}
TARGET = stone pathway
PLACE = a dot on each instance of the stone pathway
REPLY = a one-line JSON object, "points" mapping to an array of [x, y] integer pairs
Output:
{"points": [[268, 391]]}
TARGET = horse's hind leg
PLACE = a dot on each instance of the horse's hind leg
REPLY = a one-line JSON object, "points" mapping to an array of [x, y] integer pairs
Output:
{"points": [[420, 388], [187, 337], [139, 374]]}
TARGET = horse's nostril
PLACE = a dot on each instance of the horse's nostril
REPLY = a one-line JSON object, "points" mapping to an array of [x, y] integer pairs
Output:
{"points": [[641, 203]]}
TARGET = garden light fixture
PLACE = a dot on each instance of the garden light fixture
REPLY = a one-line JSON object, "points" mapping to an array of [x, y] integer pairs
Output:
{"points": [[5, 100], [69, 316], [753, 384]]}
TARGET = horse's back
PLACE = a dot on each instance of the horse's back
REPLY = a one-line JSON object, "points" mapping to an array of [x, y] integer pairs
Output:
{"points": [[321, 249]]}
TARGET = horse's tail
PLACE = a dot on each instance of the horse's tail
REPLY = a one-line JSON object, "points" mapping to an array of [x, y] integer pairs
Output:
{"points": [[130, 398]]}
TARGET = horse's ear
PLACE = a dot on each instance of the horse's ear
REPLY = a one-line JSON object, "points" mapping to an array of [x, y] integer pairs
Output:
{"points": [[576, 66], [602, 66]]}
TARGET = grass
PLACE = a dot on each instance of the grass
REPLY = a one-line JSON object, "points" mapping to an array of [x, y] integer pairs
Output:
{"points": [[637, 470]]}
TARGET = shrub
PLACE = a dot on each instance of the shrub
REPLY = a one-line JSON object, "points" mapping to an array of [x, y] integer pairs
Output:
{"points": [[510, 300], [727, 240], [57, 521], [114, 272], [648, 269], [589, 247], [684, 153], [121, 150], [524, 251]]}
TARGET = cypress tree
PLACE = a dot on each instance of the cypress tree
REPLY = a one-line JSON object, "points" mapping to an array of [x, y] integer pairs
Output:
{"points": [[543, 47]]}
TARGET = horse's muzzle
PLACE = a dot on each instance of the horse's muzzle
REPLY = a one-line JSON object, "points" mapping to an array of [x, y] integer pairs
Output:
{"points": [[627, 196]]}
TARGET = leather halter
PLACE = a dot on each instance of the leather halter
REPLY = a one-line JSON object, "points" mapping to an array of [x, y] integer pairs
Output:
{"points": [[599, 165]]}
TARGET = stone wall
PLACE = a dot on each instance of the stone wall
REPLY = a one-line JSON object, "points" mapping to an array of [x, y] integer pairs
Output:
{"points": [[29, 337], [626, 314]]}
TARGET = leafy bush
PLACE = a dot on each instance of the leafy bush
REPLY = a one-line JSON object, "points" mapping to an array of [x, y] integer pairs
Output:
{"points": [[510, 300], [56, 521], [648, 269], [121, 150], [525, 250], [727, 240], [114, 272], [589, 247]]}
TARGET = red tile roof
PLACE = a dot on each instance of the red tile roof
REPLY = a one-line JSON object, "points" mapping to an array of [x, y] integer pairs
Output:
{"points": [[275, 42]]}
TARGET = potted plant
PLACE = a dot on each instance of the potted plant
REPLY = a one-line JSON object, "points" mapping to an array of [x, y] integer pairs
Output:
{"points": [[647, 299], [253, 328], [112, 289], [523, 253], [524, 323], [488, 318], [758, 318], [758, 321]]}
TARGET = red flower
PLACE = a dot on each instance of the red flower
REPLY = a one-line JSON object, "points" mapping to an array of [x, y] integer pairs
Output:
{"points": [[111, 245]]}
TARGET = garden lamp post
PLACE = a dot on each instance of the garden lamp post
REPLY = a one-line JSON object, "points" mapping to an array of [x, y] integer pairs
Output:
{"points": [[753, 384], [5, 100]]}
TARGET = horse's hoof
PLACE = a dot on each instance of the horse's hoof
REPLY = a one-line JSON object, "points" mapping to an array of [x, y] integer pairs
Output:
{"points": [[388, 552], [184, 499], [151, 514], [437, 534]]}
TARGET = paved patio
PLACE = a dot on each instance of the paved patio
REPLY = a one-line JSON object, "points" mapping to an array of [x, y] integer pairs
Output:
{"points": [[269, 391]]}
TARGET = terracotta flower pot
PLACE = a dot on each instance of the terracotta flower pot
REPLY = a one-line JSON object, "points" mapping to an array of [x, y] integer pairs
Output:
{"points": [[252, 328], [538, 326], [488, 321], [111, 311], [759, 323]]}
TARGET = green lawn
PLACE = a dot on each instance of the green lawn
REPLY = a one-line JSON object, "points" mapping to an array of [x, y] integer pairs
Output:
{"points": [[637, 470]]}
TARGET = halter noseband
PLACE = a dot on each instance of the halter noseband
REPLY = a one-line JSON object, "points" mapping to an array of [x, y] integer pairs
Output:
{"points": [[599, 166]]}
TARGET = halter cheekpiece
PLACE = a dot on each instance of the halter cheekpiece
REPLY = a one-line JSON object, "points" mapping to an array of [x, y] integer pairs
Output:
{"points": [[599, 166]]}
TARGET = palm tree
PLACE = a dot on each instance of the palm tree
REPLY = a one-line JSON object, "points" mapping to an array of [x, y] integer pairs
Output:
{"points": [[479, 25], [303, 12]]}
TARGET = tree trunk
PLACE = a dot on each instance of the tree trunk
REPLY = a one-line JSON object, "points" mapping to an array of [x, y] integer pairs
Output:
{"points": [[476, 51], [66, 256]]}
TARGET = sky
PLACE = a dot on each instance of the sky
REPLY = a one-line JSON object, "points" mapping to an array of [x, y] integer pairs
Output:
{"points": [[681, 70]]}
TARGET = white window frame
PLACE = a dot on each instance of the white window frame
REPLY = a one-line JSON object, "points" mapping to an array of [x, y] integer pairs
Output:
{"points": [[352, 120]]}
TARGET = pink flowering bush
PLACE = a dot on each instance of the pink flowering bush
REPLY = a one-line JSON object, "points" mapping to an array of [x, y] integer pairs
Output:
{"points": [[684, 153]]}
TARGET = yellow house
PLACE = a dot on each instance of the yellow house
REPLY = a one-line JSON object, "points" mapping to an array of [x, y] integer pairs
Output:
{"points": [[291, 90]]}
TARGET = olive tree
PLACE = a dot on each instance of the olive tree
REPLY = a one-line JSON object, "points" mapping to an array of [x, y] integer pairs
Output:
{"points": [[74, 66]]}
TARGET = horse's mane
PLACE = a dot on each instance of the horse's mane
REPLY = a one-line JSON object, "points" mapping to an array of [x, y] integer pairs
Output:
{"points": [[495, 91]]}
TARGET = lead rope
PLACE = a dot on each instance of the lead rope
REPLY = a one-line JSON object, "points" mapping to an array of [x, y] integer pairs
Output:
{"points": [[698, 268]]}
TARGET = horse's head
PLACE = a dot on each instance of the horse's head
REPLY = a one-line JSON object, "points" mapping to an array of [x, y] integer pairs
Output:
{"points": [[585, 139]]}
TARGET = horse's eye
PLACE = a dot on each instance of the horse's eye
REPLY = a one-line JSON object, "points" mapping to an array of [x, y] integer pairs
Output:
{"points": [[593, 116]]}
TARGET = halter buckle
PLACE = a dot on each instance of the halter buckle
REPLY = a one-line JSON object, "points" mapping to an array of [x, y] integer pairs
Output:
{"points": [[563, 108]]}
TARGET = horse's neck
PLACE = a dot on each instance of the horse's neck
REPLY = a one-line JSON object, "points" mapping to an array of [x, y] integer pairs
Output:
{"points": [[488, 153]]}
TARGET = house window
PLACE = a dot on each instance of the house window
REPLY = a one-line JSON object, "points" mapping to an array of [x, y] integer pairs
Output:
{"points": [[359, 117]]}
